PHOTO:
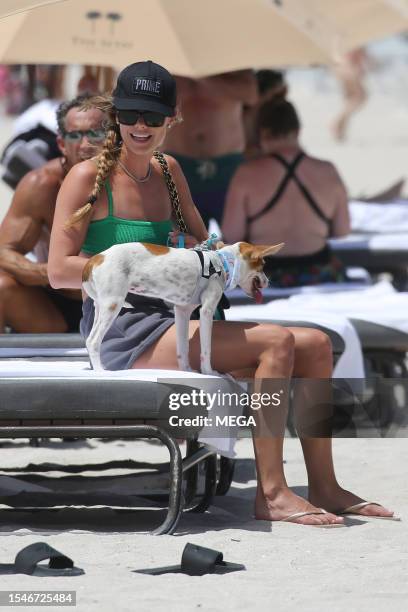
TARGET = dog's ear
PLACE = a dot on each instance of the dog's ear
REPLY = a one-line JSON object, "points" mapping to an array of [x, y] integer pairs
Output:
{"points": [[271, 250], [219, 245], [255, 252]]}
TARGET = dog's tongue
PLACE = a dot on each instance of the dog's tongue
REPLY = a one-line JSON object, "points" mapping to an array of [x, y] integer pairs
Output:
{"points": [[258, 296]]}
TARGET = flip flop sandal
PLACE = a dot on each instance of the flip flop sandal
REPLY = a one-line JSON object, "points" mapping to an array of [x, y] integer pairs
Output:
{"points": [[291, 519], [197, 561], [27, 560], [352, 511]]}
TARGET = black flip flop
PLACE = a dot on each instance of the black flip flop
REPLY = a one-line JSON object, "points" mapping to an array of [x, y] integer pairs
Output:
{"points": [[27, 559], [197, 561]]}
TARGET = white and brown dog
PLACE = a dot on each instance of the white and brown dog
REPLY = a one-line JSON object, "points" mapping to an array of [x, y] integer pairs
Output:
{"points": [[183, 277]]}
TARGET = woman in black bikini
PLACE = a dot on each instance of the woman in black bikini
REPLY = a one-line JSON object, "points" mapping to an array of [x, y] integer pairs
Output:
{"points": [[288, 194]]}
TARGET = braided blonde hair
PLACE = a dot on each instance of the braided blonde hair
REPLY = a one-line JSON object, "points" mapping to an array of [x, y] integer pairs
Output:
{"points": [[107, 158]]}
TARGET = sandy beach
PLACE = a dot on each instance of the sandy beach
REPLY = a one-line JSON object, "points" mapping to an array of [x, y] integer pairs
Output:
{"points": [[289, 567]]}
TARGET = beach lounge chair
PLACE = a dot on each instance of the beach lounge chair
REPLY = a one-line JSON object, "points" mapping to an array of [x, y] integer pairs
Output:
{"points": [[46, 392], [377, 253], [385, 351]]}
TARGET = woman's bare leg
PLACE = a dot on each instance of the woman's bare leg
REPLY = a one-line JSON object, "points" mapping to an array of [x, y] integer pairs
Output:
{"points": [[267, 350], [313, 360]]}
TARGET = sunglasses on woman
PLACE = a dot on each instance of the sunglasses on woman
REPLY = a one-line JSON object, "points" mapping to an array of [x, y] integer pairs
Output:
{"points": [[93, 136], [131, 117]]}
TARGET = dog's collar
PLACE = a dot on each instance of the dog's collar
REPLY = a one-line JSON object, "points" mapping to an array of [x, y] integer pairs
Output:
{"points": [[231, 265]]}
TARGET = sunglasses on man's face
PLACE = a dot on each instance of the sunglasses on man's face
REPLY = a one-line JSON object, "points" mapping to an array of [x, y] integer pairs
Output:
{"points": [[131, 117], [93, 136]]}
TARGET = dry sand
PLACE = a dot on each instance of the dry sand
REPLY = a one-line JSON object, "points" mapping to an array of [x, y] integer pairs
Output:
{"points": [[289, 567]]}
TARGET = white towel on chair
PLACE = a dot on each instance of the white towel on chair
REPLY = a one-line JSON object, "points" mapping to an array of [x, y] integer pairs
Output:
{"points": [[380, 304], [350, 365], [368, 217], [372, 242]]}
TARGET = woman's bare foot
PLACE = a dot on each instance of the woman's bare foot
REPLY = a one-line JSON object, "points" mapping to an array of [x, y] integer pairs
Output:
{"points": [[337, 499], [282, 502]]}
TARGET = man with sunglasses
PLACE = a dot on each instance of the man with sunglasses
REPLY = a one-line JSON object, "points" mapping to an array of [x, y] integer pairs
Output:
{"points": [[27, 302]]}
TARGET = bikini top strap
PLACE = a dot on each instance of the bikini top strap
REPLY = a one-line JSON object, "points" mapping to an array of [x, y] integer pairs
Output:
{"points": [[290, 166], [311, 201], [305, 191], [110, 198], [290, 169]]}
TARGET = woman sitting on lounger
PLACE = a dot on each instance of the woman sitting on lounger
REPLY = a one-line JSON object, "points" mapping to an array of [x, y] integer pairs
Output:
{"points": [[288, 196], [121, 196]]}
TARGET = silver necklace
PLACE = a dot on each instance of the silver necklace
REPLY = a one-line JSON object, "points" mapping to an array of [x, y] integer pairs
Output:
{"points": [[144, 179]]}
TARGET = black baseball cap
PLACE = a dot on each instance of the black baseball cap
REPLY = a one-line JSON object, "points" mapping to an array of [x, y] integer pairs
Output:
{"points": [[145, 86]]}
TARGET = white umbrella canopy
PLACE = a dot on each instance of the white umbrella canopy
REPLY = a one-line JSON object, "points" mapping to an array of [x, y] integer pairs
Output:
{"points": [[9, 7], [342, 25], [191, 38], [399, 5]]}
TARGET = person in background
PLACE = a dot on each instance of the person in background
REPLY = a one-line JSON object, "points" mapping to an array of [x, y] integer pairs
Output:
{"points": [[350, 70], [95, 79], [271, 86], [27, 302], [210, 142], [288, 196]]}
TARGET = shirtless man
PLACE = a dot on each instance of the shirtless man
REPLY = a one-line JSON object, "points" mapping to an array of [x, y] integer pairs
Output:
{"points": [[210, 142], [286, 195], [27, 302]]}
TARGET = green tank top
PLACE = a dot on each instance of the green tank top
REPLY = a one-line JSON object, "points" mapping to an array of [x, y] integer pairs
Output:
{"points": [[104, 233]]}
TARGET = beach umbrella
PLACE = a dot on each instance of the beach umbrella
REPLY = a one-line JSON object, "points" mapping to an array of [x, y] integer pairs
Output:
{"points": [[9, 7], [340, 26], [191, 38], [399, 5]]}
